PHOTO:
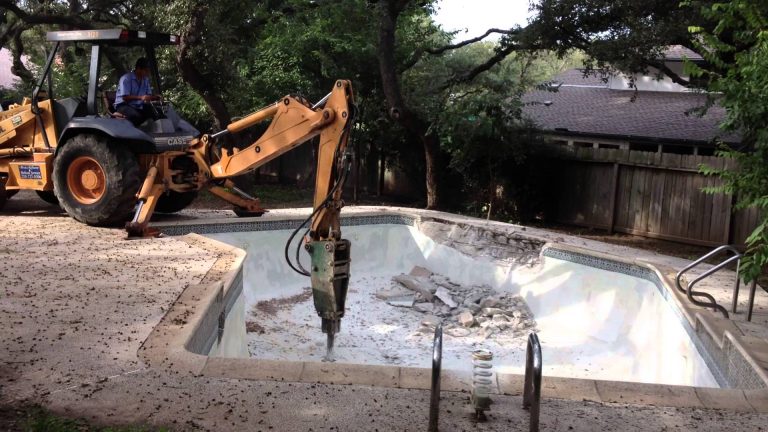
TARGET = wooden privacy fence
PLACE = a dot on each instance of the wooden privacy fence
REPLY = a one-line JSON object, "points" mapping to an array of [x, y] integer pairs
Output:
{"points": [[656, 195]]}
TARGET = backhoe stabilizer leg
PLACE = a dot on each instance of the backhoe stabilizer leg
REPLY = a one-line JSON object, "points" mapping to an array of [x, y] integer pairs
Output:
{"points": [[330, 280], [145, 206], [245, 205]]}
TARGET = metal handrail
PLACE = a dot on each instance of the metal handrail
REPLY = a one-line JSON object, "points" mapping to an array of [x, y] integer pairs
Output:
{"points": [[532, 386], [690, 293], [437, 361]]}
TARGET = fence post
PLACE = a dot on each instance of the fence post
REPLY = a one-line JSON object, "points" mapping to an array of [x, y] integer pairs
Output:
{"points": [[614, 191]]}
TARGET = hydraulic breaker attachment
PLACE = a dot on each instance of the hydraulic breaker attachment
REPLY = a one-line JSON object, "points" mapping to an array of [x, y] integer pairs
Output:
{"points": [[330, 279], [145, 206], [245, 204]]}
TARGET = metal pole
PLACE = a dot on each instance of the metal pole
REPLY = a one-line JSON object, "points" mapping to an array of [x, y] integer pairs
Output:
{"points": [[751, 299], [532, 386], [437, 360], [736, 288]]}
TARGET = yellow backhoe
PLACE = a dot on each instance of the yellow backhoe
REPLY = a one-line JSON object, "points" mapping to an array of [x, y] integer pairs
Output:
{"points": [[103, 170]]}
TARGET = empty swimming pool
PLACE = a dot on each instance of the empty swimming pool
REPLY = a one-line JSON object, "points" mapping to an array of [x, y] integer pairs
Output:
{"points": [[595, 318]]}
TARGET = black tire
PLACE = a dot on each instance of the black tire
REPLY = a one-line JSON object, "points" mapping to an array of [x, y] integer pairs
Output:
{"points": [[48, 196], [119, 169], [173, 201]]}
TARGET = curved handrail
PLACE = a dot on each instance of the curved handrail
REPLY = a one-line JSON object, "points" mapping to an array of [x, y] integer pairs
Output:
{"points": [[437, 361], [690, 293], [532, 386], [712, 303]]}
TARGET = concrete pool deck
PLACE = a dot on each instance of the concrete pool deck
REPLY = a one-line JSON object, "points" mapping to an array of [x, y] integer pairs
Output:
{"points": [[78, 302]]}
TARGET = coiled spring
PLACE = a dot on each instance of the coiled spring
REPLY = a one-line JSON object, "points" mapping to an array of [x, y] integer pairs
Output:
{"points": [[482, 380]]}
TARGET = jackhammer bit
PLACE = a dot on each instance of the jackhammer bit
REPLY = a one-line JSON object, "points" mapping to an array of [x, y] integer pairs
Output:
{"points": [[330, 280]]}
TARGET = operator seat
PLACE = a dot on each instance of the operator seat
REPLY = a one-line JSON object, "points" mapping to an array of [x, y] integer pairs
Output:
{"points": [[108, 103]]}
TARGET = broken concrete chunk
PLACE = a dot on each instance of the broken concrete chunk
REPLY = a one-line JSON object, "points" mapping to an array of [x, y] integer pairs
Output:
{"points": [[489, 312], [442, 281], [392, 292], [490, 302], [424, 307], [430, 321], [500, 318], [466, 319], [488, 332], [420, 272], [445, 296], [475, 298], [419, 285], [457, 332], [404, 301]]}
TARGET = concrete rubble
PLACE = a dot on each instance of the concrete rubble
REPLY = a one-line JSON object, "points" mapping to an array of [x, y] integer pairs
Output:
{"points": [[463, 310]]}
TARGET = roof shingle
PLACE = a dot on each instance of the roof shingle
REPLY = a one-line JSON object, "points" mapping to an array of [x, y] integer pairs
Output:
{"points": [[601, 111]]}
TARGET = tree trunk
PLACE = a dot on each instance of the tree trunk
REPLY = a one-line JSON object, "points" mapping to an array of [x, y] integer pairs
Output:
{"points": [[389, 12], [432, 162], [186, 63]]}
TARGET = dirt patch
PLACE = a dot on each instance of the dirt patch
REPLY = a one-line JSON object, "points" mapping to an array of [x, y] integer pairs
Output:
{"points": [[270, 307], [254, 327]]}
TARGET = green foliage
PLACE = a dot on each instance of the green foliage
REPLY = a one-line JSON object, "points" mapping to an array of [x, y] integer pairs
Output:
{"points": [[480, 125], [622, 35], [41, 420], [737, 47]]}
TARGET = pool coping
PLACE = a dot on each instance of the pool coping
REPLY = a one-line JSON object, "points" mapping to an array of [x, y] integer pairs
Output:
{"points": [[200, 309]]}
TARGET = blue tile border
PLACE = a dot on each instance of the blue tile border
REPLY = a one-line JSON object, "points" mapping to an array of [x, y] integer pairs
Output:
{"points": [[720, 362], [604, 264], [270, 225]]}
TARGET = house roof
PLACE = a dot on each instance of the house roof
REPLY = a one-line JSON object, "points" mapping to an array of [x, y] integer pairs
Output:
{"points": [[621, 114], [679, 52], [575, 77]]}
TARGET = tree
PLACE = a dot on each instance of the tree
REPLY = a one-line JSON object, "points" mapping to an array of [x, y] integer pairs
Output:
{"points": [[17, 18], [741, 35], [616, 35], [391, 15]]}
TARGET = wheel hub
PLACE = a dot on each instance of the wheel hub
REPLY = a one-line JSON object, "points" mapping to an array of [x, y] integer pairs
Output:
{"points": [[86, 180], [89, 180]]}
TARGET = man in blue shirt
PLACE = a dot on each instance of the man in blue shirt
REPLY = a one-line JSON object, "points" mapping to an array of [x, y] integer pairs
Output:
{"points": [[134, 92]]}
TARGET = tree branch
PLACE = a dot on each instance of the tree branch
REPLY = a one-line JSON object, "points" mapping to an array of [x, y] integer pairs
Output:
{"points": [[39, 17], [18, 67], [500, 55], [677, 79], [187, 64], [445, 48]]}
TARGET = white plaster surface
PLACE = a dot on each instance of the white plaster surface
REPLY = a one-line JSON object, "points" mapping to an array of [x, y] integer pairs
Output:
{"points": [[592, 323]]}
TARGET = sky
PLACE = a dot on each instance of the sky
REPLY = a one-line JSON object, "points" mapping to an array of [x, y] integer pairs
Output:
{"points": [[479, 15], [6, 77]]}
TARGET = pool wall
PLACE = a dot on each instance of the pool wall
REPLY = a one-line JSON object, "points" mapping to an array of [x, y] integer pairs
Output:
{"points": [[194, 326]]}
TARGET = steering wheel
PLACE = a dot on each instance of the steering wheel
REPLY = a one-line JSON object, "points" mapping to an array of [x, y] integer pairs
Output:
{"points": [[157, 108]]}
